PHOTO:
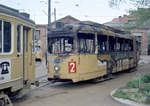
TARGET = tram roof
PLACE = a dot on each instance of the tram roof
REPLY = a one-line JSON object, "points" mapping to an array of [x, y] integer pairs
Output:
{"points": [[15, 13], [87, 27]]}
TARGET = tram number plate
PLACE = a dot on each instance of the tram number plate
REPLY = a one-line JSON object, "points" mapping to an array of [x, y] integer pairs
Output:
{"points": [[72, 67]]}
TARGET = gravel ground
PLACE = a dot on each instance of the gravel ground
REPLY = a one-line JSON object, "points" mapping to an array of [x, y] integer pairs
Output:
{"points": [[79, 94]]}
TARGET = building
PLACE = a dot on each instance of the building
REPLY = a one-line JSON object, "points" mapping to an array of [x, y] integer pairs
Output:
{"points": [[41, 37], [65, 20], [143, 36], [42, 29], [114, 24]]}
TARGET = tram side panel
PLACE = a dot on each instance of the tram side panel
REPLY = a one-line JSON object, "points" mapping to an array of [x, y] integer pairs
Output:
{"points": [[77, 68]]}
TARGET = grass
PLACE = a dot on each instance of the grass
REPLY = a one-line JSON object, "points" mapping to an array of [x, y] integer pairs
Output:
{"points": [[142, 95]]}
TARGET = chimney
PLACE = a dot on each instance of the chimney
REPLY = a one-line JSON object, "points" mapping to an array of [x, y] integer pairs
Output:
{"points": [[119, 17]]}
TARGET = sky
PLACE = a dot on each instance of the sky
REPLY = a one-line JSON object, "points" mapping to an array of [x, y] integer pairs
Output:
{"points": [[92, 10]]}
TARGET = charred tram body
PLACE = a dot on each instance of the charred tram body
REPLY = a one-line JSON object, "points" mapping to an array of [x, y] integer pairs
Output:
{"points": [[87, 50], [17, 66]]}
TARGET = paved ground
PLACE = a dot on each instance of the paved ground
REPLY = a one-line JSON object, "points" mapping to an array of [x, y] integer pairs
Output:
{"points": [[78, 94]]}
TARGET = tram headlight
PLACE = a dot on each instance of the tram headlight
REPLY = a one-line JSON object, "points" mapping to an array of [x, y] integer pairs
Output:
{"points": [[56, 67]]}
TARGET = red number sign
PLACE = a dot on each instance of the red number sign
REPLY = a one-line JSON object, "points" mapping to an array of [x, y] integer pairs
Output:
{"points": [[72, 67]]}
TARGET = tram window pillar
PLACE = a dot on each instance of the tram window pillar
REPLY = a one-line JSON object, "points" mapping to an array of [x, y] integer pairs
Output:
{"points": [[75, 44], [0, 36], [107, 43], [96, 43]]}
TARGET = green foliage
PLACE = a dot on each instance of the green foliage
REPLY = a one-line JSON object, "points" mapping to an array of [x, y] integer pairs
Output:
{"points": [[129, 26], [148, 99], [133, 84], [142, 15], [121, 94], [142, 95], [146, 78], [138, 96], [140, 81]]}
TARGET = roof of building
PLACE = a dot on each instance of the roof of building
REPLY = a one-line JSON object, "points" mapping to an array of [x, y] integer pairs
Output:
{"points": [[60, 20], [113, 24], [66, 17]]}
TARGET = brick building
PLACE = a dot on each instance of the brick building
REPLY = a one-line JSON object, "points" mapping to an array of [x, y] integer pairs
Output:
{"points": [[43, 29], [142, 37]]}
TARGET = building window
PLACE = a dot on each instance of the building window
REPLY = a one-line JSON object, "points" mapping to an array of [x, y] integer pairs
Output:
{"points": [[18, 38], [37, 35]]}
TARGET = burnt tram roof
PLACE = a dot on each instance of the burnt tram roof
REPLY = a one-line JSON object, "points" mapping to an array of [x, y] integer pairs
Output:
{"points": [[87, 27]]}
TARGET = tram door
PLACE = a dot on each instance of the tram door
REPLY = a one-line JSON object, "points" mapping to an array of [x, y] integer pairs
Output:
{"points": [[27, 54]]}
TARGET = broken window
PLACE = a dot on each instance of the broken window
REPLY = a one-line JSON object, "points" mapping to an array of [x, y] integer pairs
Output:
{"points": [[102, 43], [112, 42], [119, 44], [60, 45], [130, 45], [126, 45], [86, 43]]}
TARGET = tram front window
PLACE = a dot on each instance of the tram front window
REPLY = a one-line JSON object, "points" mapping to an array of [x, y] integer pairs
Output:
{"points": [[60, 45]]}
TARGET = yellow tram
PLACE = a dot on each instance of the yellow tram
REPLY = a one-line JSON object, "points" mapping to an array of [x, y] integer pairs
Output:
{"points": [[87, 50], [17, 67]]}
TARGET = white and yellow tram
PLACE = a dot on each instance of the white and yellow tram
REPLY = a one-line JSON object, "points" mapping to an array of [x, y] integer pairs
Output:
{"points": [[86, 50], [17, 67]]}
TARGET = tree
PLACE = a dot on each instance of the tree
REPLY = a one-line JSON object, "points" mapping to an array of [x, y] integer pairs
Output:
{"points": [[137, 3], [142, 13]]}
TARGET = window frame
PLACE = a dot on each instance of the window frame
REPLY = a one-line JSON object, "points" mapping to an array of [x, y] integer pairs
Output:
{"points": [[20, 38], [62, 45], [85, 39], [12, 38]]}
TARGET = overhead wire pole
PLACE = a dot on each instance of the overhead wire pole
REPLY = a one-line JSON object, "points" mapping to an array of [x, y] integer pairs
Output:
{"points": [[49, 15], [54, 14], [48, 28]]}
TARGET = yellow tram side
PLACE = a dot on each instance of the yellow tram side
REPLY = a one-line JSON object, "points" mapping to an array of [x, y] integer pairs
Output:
{"points": [[16, 58], [97, 60]]}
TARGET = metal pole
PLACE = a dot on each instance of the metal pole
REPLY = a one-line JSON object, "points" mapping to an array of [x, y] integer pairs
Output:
{"points": [[54, 14], [49, 15]]}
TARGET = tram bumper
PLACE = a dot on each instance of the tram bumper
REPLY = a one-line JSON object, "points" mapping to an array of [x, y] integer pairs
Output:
{"points": [[56, 76]]}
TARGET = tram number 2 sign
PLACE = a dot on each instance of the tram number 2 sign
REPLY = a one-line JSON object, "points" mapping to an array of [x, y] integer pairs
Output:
{"points": [[72, 67]]}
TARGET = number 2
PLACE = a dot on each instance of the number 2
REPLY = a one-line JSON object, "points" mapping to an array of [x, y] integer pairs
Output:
{"points": [[72, 67]]}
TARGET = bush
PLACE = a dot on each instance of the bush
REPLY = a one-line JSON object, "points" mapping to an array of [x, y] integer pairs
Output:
{"points": [[146, 78], [148, 99], [133, 84], [121, 94]]}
